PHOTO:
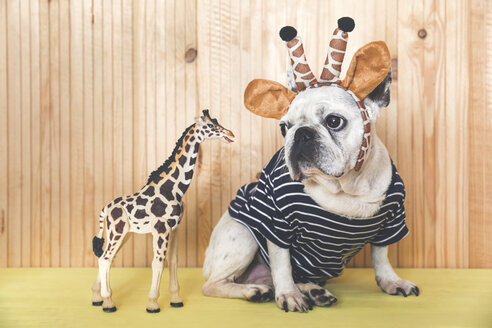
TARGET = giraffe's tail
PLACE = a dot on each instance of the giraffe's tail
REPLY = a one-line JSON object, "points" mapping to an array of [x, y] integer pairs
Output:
{"points": [[98, 240]]}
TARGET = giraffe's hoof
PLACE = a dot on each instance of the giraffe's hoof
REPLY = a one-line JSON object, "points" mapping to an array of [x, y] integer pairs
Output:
{"points": [[154, 310], [177, 305], [109, 310], [97, 303]]}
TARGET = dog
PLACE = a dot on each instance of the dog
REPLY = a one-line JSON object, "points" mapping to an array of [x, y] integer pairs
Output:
{"points": [[329, 191]]}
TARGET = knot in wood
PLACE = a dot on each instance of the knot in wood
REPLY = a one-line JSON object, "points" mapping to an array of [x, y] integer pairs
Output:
{"points": [[190, 55], [422, 33]]}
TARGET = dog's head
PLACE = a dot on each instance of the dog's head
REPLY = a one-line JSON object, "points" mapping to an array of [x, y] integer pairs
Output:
{"points": [[327, 123]]}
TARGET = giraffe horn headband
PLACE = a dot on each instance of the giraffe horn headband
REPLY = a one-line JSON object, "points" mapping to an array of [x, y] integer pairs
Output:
{"points": [[368, 68], [303, 75]]}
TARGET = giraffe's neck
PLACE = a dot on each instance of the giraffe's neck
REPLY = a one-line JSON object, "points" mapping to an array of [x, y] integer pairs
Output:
{"points": [[176, 179]]}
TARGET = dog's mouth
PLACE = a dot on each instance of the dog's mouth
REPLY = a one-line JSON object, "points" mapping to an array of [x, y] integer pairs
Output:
{"points": [[301, 171], [300, 166], [297, 174]]}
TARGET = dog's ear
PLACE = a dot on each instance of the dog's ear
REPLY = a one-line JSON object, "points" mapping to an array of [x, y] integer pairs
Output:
{"points": [[379, 97], [368, 68], [268, 98]]}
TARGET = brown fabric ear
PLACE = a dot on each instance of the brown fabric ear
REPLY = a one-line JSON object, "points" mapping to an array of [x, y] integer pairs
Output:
{"points": [[368, 68], [267, 98]]}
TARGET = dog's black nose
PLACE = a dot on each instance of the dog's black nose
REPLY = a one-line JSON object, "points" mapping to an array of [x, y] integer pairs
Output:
{"points": [[304, 134]]}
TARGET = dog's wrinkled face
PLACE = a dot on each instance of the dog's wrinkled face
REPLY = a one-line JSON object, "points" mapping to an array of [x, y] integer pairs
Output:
{"points": [[323, 132], [323, 129]]}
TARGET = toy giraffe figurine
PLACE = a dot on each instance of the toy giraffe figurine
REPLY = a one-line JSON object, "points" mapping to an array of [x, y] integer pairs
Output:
{"points": [[157, 208]]}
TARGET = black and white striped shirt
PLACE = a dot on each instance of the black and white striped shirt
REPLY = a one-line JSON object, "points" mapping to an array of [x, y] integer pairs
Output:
{"points": [[320, 243]]}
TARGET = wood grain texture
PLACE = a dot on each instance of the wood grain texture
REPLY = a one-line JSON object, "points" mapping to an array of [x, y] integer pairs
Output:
{"points": [[94, 94], [4, 137], [480, 134]]}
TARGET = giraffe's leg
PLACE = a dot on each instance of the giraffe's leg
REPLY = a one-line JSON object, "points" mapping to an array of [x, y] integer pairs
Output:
{"points": [[96, 292], [172, 261], [160, 234], [115, 234]]}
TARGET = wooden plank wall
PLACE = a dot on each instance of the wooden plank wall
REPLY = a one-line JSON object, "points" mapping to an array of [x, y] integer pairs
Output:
{"points": [[94, 94]]}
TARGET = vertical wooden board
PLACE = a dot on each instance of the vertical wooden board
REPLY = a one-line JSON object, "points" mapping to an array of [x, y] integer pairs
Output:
{"points": [[455, 157], [432, 100], [479, 128], [117, 111], [149, 67], [14, 135], [25, 110], [203, 171], [387, 122], [390, 114], [127, 108], [3, 137], [55, 144], [244, 131], [89, 217], [35, 118], [224, 70], [216, 96], [161, 49], [150, 87], [191, 103], [76, 135], [410, 87], [171, 131], [98, 102], [280, 67], [63, 176], [44, 228], [255, 69], [180, 105], [271, 65], [107, 116], [139, 120]]}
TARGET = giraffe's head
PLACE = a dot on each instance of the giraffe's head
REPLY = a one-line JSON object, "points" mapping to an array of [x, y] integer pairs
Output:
{"points": [[212, 128]]}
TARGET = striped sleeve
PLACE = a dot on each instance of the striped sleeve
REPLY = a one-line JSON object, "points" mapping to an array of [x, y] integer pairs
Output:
{"points": [[265, 217], [394, 228], [259, 212]]}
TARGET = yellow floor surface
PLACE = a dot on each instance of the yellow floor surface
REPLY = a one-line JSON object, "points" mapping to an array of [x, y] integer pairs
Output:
{"points": [[62, 298]]}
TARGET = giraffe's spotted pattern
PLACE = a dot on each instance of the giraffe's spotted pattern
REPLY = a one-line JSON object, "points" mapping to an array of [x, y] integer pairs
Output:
{"points": [[336, 52], [157, 207]]}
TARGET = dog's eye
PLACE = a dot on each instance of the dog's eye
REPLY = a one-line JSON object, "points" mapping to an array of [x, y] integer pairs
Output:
{"points": [[283, 129], [335, 122]]}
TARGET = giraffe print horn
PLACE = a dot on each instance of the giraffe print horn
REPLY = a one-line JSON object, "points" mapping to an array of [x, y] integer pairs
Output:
{"points": [[303, 75], [336, 51], [206, 113]]}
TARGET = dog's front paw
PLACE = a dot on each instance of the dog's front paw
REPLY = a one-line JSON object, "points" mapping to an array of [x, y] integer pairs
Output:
{"points": [[318, 295], [293, 301], [398, 287], [259, 293]]}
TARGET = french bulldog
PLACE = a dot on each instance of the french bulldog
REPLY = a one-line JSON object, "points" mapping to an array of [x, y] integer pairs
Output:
{"points": [[329, 191]]}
